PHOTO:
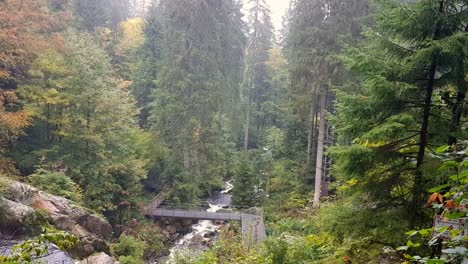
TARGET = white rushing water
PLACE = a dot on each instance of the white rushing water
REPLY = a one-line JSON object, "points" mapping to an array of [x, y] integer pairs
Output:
{"points": [[186, 244]]}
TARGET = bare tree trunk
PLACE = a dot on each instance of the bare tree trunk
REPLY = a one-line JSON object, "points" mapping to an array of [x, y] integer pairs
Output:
{"points": [[320, 150], [247, 123], [310, 136]]}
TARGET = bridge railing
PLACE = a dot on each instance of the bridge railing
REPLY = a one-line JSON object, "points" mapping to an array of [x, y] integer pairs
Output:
{"points": [[199, 206], [195, 214]]}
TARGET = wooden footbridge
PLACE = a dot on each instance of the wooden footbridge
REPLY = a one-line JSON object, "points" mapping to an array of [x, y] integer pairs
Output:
{"points": [[253, 227]]}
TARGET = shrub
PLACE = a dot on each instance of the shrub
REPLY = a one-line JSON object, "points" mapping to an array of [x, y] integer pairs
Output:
{"points": [[4, 183], [361, 232], [153, 238], [56, 183], [35, 222], [129, 249], [34, 248]]}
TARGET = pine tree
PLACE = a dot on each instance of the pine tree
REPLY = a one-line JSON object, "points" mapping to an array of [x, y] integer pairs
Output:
{"points": [[244, 193], [312, 44], [404, 66], [257, 87], [148, 58], [93, 13], [190, 88]]}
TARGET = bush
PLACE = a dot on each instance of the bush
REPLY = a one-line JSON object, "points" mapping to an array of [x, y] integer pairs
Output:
{"points": [[4, 184], [129, 249], [56, 183], [35, 222], [153, 237], [361, 232]]}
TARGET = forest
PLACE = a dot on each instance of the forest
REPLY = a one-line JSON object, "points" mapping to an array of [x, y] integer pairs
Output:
{"points": [[345, 130]]}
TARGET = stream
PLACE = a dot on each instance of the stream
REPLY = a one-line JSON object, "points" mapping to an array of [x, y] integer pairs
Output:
{"points": [[203, 231]]}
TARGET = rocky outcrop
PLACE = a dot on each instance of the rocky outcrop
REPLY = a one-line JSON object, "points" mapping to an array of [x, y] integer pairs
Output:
{"points": [[64, 214], [101, 258], [13, 213]]}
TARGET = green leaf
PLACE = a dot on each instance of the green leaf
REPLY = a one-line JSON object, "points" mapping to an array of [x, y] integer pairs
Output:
{"points": [[455, 215], [442, 149], [435, 261], [411, 244], [454, 233], [464, 163], [402, 248], [450, 164], [439, 188], [411, 233], [425, 232]]}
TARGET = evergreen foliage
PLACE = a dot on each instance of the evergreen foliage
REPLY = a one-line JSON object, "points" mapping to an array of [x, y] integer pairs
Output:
{"points": [[111, 102], [187, 108], [402, 69]]}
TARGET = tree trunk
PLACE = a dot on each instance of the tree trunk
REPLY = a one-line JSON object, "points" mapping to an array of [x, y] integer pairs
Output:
{"points": [[418, 193], [320, 150], [457, 109], [310, 137], [247, 122], [48, 125]]}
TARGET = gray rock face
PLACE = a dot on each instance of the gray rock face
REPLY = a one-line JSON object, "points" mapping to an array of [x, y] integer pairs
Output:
{"points": [[96, 225], [14, 212], [63, 213], [101, 258]]}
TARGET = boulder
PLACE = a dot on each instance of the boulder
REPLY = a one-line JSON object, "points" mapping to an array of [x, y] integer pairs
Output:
{"points": [[187, 222], [96, 225], [14, 212], [63, 214], [171, 229], [197, 240], [20, 192], [174, 236], [40, 203], [90, 245], [79, 231], [100, 258], [64, 222], [166, 234]]}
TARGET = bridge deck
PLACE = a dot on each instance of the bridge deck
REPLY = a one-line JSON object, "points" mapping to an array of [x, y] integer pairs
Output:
{"points": [[194, 214], [253, 227]]}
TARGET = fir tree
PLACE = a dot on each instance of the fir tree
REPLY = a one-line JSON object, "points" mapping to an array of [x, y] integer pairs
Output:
{"points": [[404, 66], [257, 84]]}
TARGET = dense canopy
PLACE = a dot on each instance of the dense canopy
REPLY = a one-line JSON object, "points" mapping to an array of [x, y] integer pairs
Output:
{"points": [[346, 128]]}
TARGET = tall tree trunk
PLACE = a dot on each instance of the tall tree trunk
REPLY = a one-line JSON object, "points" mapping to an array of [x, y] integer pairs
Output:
{"points": [[309, 138], [310, 135], [457, 109], [418, 193], [247, 122], [48, 125], [320, 150]]}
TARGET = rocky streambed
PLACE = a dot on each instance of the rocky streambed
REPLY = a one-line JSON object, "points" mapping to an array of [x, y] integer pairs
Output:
{"points": [[203, 233]]}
